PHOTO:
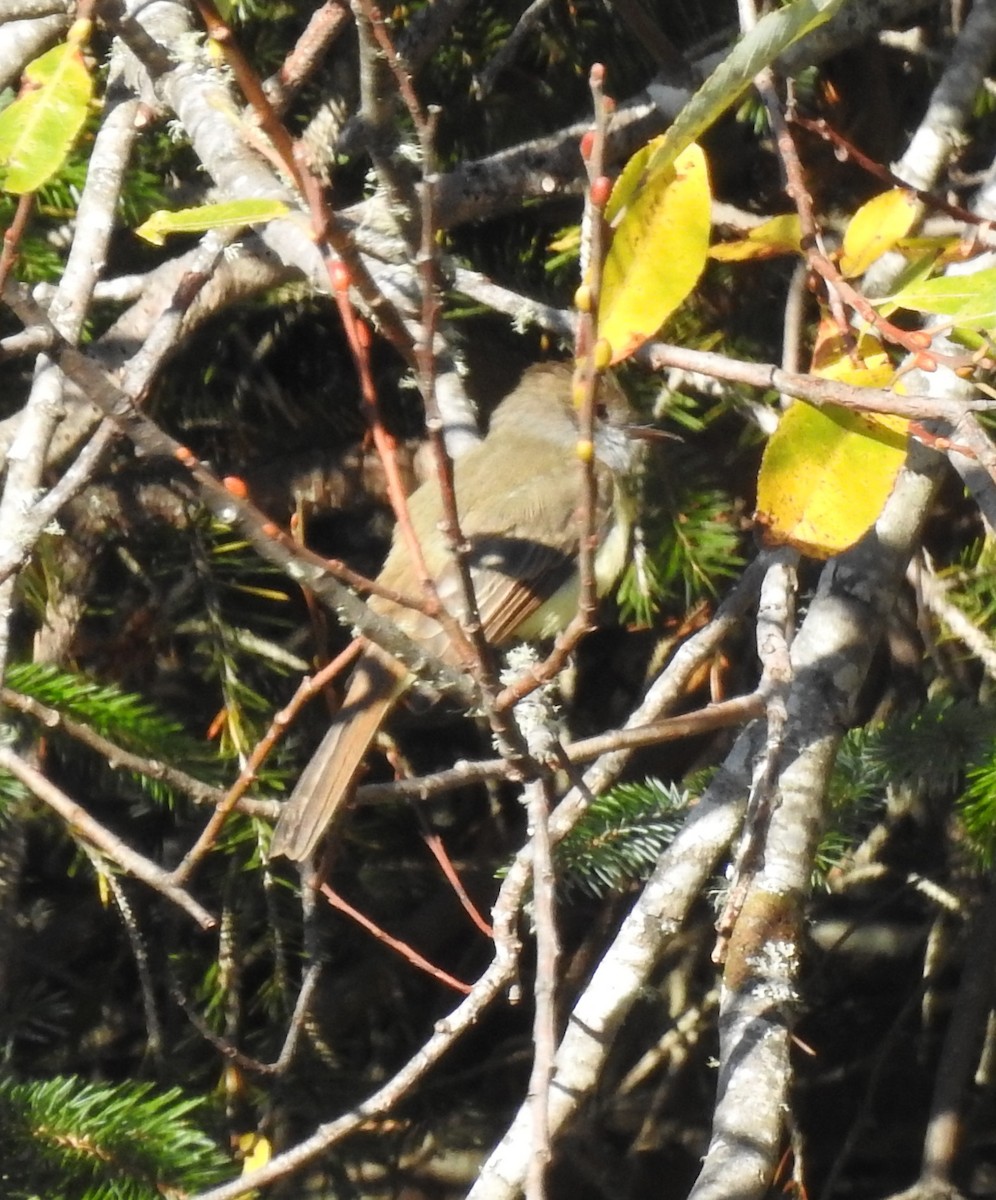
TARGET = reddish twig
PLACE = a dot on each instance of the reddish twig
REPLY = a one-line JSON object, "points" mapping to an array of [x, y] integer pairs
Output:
{"points": [[252, 88], [424, 124], [402, 948], [308, 688], [916, 342], [597, 194], [847, 150], [324, 26], [231, 505], [13, 233], [438, 851]]}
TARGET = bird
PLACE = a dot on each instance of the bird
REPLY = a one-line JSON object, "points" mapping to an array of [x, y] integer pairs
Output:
{"points": [[517, 496]]}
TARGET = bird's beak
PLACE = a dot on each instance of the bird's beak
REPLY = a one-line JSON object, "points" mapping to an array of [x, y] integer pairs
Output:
{"points": [[649, 433]]}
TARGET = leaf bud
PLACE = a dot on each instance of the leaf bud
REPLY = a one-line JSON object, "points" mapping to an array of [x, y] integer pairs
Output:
{"points": [[236, 486], [340, 276], [600, 191]]}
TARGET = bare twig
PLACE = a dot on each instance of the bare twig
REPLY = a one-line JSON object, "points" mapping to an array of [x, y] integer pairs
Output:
{"points": [[407, 952], [116, 756], [935, 593], [656, 918], [524, 26], [109, 844], [306, 568], [445, 1034], [435, 844], [774, 627], [960, 1051], [918, 406], [233, 798], [324, 26]]}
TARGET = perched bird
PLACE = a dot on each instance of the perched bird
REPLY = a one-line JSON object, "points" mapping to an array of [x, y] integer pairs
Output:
{"points": [[517, 497]]}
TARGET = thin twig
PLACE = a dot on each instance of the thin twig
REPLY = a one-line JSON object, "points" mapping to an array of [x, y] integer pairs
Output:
{"points": [[324, 26], [725, 714], [537, 799], [233, 797], [936, 596], [438, 851], [109, 844], [117, 757], [402, 948]]}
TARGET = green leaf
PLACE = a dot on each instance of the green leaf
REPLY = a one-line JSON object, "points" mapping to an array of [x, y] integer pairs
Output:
{"points": [[659, 246], [38, 130], [209, 216], [969, 300], [769, 38], [825, 475]]}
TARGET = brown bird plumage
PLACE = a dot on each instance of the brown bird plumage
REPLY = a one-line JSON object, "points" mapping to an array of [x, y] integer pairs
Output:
{"points": [[517, 496]]}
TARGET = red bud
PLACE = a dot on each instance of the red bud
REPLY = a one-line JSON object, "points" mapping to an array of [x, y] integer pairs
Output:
{"points": [[340, 276], [600, 191]]}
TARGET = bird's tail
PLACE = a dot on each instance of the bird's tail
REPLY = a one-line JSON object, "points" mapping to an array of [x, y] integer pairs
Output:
{"points": [[374, 687]]}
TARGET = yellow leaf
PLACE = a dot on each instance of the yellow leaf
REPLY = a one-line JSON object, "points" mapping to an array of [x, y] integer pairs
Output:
{"points": [[209, 216], [38, 130], [825, 476], [780, 235], [865, 365], [875, 228], [659, 246], [257, 1152], [567, 239]]}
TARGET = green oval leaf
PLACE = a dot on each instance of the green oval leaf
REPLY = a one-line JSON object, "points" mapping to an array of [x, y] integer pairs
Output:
{"points": [[209, 216], [37, 131], [968, 300], [825, 476], [659, 246]]}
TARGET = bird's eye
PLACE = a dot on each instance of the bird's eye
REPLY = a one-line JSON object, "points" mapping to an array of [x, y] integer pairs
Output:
{"points": [[601, 412]]}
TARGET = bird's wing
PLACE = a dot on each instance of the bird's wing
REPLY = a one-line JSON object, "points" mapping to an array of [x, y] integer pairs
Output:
{"points": [[324, 785], [513, 573]]}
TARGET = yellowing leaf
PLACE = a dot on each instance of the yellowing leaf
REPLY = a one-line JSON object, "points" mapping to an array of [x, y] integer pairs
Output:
{"points": [[865, 365], [209, 216], [780, 235], [825, 476], [943, 249], [875, 228], [659, 246], [37, 131]]}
